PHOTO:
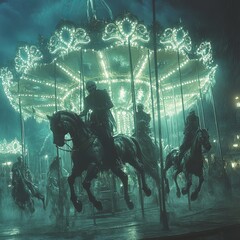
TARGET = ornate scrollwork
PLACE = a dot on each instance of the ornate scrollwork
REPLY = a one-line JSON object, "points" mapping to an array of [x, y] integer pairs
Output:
{"points": [[27, 57], [124, 30], [176, 39], [67, 39], [204, 52]]}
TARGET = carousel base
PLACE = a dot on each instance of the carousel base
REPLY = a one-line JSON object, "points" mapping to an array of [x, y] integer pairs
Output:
{"points": [[216, 221]]}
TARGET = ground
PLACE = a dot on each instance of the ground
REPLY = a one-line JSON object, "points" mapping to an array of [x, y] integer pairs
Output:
{"points": [[212, 220]]}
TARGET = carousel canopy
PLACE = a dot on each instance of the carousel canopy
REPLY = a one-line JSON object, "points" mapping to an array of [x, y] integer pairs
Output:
{"points": [[52, 76]]}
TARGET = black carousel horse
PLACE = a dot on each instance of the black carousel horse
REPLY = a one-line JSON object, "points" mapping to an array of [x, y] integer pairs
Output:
{"points": [[24, 191], [87, 155], [192, 164], [21, 194]]}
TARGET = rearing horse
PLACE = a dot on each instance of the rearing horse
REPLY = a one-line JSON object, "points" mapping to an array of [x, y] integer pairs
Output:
{"points": [[192, 163], [87, 155]]}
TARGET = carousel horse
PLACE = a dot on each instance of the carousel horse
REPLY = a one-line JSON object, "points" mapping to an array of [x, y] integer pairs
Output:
{"points": [[24, 191], [60, 206], [21, 194], [87, 155], [192, 164]]}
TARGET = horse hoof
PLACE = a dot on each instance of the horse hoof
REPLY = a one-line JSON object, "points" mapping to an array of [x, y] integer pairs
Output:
{"points": [[98, 206], [78, 206], [130, 205], [194, 196], [147, 191]]}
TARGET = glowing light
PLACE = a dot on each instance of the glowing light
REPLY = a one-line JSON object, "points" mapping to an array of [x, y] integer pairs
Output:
{"points": [[234, 164], [27, 57], [109, 67], [204, 52], [67, 39], [7, 164], [126, 29], [176, 39], [13, 147]]}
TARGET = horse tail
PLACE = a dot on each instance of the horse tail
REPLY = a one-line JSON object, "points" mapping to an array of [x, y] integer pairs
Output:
{"points": [[139, 151]]}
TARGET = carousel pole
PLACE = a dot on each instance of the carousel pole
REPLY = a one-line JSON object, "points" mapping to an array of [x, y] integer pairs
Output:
{"points": [[59, 161], [198, 111], [201, 98], [183, 108], [81, 102], [82, 81], [216, 124], [154, 125], [163, 213], [21, 125], [152, 100], [164, 108], [175, 111], [165, 115], [134, 116], [181, 87]]}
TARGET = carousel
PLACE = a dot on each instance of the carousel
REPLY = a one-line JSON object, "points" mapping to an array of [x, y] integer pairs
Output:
{"points": [[119, 56], [53, 73]]}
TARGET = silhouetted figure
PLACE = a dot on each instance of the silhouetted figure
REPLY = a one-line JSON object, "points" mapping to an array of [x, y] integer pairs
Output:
{"points": [[101, 119], [190, 129], [142, 120], [20, 167]]}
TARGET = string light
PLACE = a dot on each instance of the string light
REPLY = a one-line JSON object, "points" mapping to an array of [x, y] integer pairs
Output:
{"points": [[13, 147], [109, 67], [67, 39]]}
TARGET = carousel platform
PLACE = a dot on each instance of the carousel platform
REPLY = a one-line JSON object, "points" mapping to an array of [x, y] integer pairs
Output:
{"points": [[216, 221]]}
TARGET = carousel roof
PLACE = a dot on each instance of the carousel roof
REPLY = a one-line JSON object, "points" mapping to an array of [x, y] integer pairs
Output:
{"points": [[75, 55]]}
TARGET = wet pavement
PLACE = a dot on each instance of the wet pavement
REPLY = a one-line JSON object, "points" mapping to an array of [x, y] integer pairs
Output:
{"points": [[213, 221]]}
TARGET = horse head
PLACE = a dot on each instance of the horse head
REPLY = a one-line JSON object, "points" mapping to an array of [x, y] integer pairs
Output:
{"points": [[203, 137], [64, 122], [59, 128]]}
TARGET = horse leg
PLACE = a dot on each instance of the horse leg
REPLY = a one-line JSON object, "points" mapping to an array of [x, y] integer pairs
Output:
{"points": [[186, 189], [168, 165], [178, 193], [91, 174], [124, 178], [194, 194], [42, 198], [76, 203], [155, 175], [167, 188], [139, 168], [36, 193]]}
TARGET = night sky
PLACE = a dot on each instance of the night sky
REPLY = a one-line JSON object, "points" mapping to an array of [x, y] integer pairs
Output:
{"points": [[217, 21]]}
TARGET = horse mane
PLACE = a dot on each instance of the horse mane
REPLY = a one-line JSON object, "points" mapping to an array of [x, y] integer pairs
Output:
{"points": [[77, 118]]}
